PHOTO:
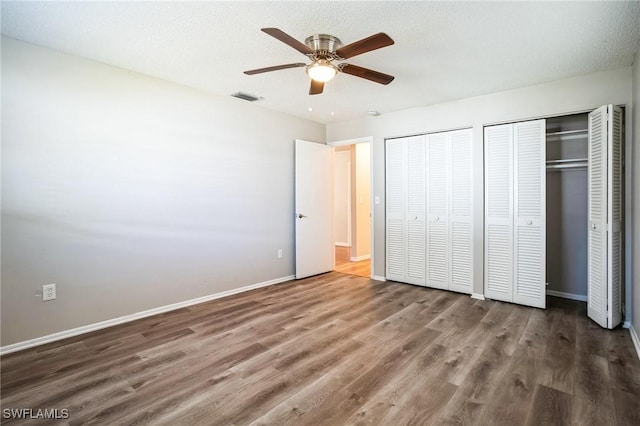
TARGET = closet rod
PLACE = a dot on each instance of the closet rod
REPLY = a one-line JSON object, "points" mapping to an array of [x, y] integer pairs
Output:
{"points": [[582, 165], [568, 132]]}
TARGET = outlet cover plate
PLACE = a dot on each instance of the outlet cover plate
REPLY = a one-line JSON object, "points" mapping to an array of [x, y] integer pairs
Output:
{"points": [[48, 292]]}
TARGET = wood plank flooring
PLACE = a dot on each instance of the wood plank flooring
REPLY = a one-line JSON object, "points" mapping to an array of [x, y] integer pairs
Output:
{"points": [[344, 264], [337, 349]]}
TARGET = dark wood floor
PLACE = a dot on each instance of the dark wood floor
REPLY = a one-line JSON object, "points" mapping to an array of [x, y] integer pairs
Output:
{"points": [[338, 349], [346, 266]]}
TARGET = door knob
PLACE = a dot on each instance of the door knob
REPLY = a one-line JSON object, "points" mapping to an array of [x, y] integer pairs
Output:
{"points": [[529, 222], [300, 216], [593, 226]]}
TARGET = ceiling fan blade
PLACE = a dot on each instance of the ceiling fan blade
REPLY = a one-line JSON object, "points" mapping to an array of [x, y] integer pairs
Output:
{"points": [[366, 73], [316, 87], [368, 44], [274, 68], [287, 39]]}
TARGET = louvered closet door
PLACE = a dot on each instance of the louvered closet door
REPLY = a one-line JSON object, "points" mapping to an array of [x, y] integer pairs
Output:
{"points": [[395, 209], [460, 213], [437, 212], [415, 223], [529, 213], [498, 212], [597, 272], [614, 214], [604, 304]]}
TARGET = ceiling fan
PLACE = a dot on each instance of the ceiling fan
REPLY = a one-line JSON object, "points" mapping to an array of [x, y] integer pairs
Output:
{"points": [[323, 49]]}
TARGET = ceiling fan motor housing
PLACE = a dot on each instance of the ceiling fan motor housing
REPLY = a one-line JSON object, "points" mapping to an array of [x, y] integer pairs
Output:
{"points": [[322, 43]]}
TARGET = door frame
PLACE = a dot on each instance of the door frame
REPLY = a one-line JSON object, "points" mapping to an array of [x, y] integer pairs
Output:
{"points": [[369, 140]]}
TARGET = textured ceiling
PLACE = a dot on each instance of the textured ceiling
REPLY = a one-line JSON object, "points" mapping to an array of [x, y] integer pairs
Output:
{"points": [[443, 51]]}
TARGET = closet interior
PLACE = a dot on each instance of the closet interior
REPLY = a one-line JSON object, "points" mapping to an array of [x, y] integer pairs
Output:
{"points": [[567, 151]]}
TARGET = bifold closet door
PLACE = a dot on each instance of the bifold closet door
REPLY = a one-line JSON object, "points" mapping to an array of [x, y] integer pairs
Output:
{"points": [[405, 189], [461, 211], [429, 210], [438, 240], [529, 213], [415, 210], [604, 286], [395, 209], [498, 217], [449, 211], [515, 178]]}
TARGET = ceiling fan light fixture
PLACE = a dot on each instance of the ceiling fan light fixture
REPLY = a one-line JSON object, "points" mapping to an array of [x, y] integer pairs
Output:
{"points": [[322, 70], [322, 49]]}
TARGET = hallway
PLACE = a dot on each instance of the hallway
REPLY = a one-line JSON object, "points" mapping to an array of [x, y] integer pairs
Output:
{"points": [[346, 266]]}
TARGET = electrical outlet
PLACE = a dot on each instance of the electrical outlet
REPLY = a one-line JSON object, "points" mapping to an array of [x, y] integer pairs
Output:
{"points": [[48, 292], [279, 253]]}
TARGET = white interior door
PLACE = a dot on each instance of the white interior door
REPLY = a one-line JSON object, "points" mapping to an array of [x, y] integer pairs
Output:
{"points": [[314, 208]]}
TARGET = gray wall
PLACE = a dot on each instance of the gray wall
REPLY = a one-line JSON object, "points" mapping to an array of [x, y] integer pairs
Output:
{"points": [[577, 94], [567, 235], [131, 193]]}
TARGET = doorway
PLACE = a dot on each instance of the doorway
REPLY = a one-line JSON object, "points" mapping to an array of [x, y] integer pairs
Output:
{"points": [[352, 207]]}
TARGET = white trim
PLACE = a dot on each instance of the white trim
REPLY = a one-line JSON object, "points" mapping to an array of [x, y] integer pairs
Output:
{"points": [[635, 339], [132, 317], [339, 244], [349, 215], [359, 258], [365, 139], [477, 296], [378, 278], [570, 296]]}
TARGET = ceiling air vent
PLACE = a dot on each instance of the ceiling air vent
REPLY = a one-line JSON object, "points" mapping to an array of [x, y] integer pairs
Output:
{"points": [[246, 96]]}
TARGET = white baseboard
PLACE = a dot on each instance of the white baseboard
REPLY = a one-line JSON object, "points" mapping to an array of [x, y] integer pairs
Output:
{"points": [[626, 324], [378, 278], [570, 296], [477, 296], [132, 317], [359, 258], [343, 244], [635, 339]]}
